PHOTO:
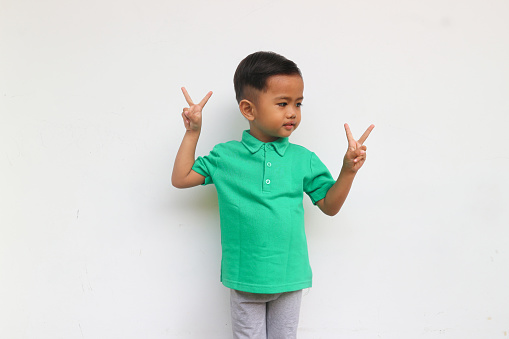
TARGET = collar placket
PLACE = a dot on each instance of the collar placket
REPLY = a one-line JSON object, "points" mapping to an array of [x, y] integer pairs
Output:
{"points": [[267, 168]]}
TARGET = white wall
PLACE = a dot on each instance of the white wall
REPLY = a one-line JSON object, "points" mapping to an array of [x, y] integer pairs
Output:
{"points": [[95, 243]]}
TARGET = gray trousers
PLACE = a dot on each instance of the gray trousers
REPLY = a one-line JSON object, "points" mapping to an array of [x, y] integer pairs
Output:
{"points": [[265, 316]]}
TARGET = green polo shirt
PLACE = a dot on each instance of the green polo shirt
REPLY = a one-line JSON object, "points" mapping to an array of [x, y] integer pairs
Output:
{"points": [[260, 190]]}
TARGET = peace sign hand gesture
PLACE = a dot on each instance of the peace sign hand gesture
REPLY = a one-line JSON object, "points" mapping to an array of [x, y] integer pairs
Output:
{"points": [[192, 114], [356, 153]]}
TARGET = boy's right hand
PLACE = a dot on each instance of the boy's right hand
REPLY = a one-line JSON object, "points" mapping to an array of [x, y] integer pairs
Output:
{"points": [[192, 114]]}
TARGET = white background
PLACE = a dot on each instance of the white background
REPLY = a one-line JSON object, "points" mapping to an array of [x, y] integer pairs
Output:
{"points": [[96, 243]]}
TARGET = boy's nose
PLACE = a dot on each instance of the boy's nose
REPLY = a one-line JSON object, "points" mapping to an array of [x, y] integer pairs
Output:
{"points": [[291, 113]]}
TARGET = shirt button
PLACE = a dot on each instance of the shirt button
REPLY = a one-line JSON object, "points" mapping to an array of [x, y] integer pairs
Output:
{"points": [[267, 182], [269, 164]]}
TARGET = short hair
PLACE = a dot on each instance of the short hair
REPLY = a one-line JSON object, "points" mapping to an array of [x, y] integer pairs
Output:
{"points": [[256, 68]]}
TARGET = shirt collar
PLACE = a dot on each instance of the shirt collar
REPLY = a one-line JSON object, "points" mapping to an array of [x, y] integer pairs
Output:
{"points": [[254, 145]]}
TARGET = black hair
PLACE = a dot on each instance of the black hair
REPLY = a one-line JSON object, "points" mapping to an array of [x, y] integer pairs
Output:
{"points": [[256, 68]]}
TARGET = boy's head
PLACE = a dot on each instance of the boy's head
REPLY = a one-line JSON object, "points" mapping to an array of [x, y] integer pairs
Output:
{"points": [[252, 73], [269, 90]]}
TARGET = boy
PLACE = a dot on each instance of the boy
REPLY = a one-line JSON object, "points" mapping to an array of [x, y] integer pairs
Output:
{"points": [[260, 183]]}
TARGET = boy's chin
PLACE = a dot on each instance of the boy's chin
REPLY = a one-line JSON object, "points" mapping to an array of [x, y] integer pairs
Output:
{"points": [[286, 132]]}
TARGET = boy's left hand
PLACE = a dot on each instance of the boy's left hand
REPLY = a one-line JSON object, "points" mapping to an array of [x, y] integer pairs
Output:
{"points": [[356, 153]]}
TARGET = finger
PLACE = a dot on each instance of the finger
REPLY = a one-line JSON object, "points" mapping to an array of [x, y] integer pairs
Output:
{"points": [[366, 134], [188, 98], [186, 120], [359, 153], [360, 158], [204, 100], [349, 136]]}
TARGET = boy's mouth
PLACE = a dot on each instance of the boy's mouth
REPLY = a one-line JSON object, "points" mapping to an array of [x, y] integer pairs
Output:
{"points": [[288, 126]]}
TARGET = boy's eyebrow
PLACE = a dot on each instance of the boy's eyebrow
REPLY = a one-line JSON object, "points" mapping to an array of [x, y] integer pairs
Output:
{"points": [[287, 98]]}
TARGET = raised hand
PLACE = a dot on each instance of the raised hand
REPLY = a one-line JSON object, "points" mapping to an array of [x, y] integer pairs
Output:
{"points": [[356, 153], [192, 114]]}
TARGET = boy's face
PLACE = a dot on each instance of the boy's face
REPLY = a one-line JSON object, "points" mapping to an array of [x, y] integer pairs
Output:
{"points": [[276, 111]]}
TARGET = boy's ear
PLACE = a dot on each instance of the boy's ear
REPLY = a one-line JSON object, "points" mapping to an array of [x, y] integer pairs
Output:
{"points": [[246, 108]]}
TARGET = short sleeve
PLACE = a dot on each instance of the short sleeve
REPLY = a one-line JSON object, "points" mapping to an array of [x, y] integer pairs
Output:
{"points": [[318, 180], [207, 165]]}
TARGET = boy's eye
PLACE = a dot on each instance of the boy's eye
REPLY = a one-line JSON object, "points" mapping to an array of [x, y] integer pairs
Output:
{"points": [[283, 104]]}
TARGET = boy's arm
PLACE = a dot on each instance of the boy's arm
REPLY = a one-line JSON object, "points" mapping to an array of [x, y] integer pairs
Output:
{"points": [[183, 176], [352, 162]]}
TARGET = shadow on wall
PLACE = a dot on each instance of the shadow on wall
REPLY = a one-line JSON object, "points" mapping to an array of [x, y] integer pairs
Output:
{"points": [[199, 200]]}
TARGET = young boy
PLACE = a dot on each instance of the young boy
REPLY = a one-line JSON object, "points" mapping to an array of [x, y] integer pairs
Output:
{"points": [[260, 183]]}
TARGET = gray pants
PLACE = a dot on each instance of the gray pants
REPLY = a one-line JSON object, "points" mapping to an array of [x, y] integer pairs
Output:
{"points": [[265, 316]]}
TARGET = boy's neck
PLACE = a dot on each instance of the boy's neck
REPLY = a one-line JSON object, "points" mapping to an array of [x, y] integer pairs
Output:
{"points": [[262, 137]]}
